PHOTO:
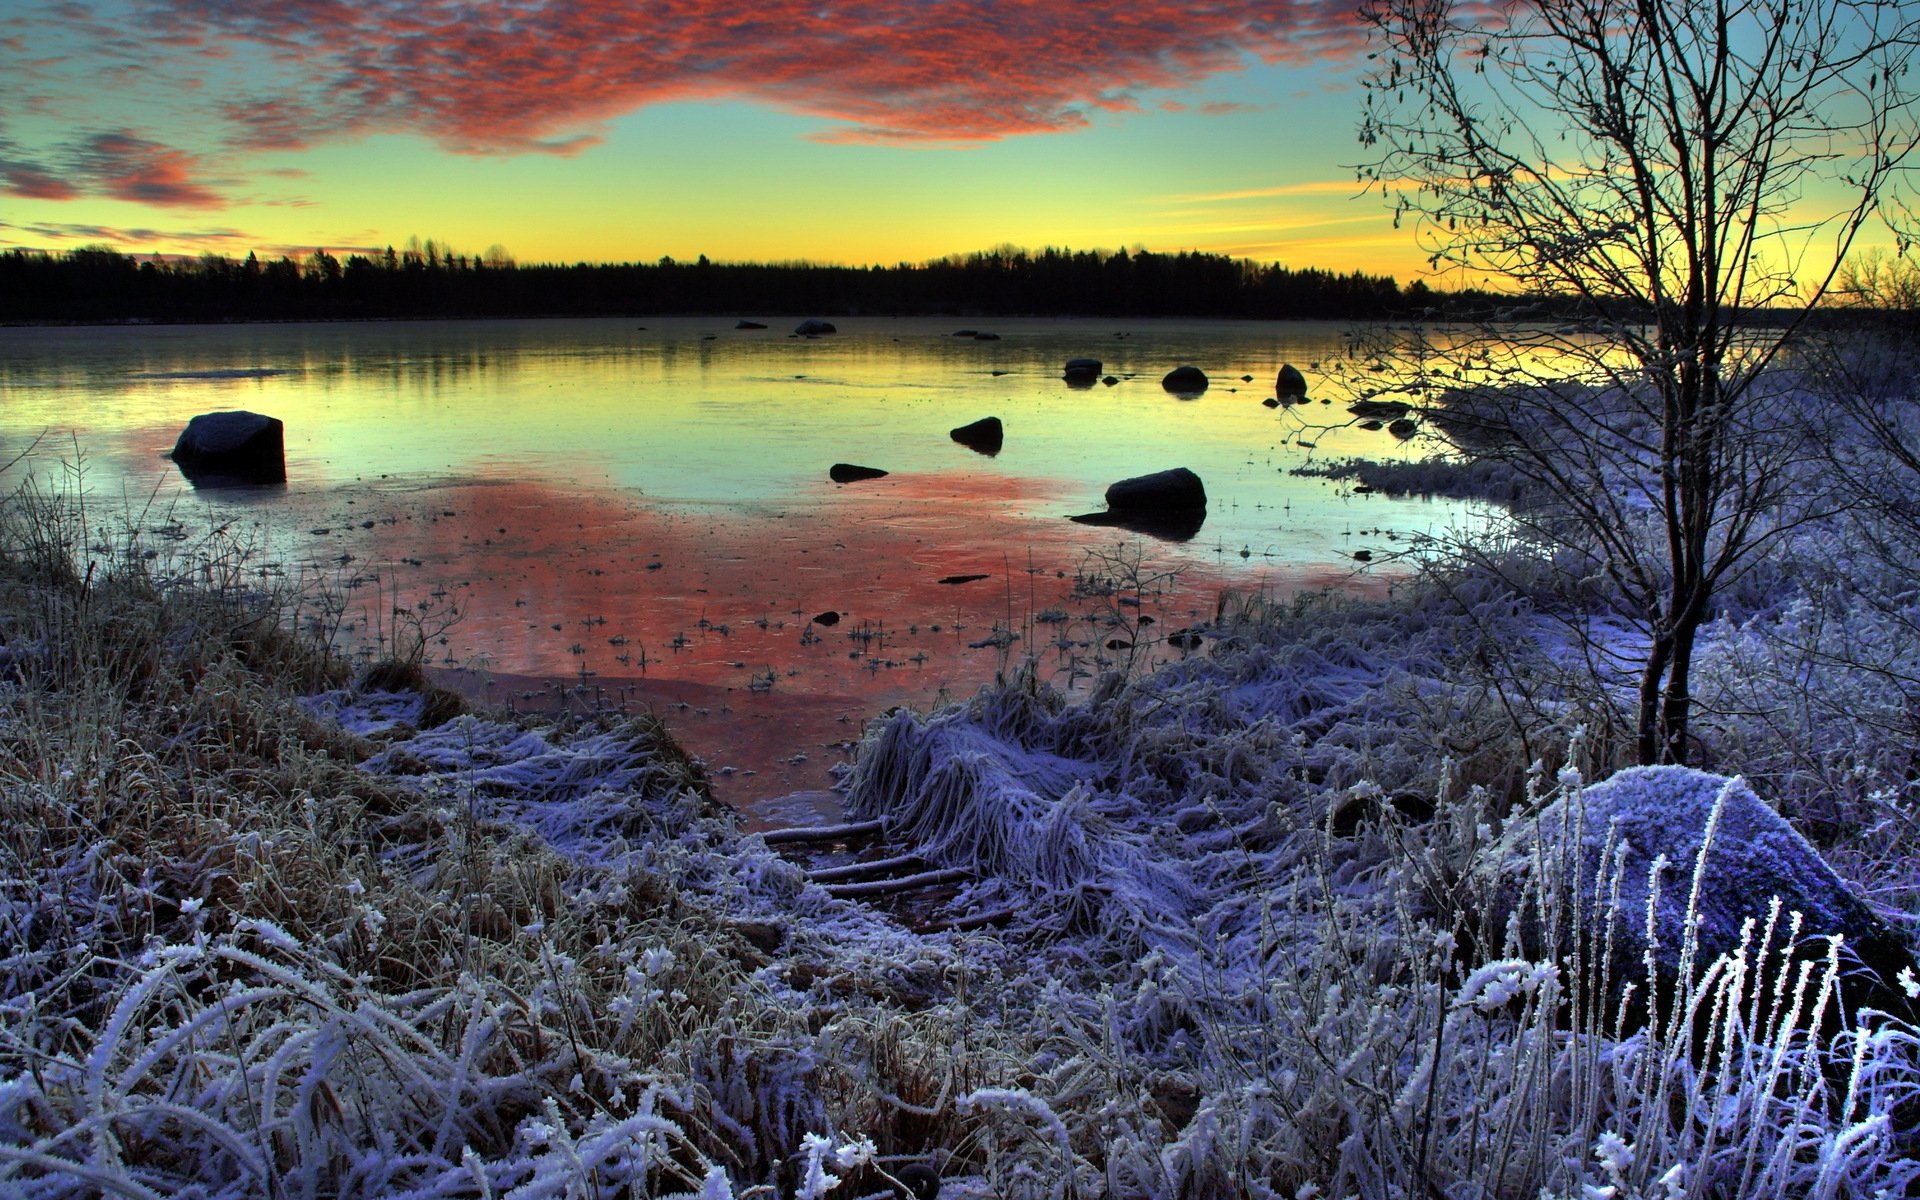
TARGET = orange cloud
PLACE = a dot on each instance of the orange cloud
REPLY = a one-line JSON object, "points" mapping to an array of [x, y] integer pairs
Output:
{"points": [[31, 183], [532, 76], [132, 168], [116, 163]]}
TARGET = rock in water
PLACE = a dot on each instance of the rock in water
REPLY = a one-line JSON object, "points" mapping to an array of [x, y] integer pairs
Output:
{"points": [[814, 327], [1290, 382], [1185, 381], [850, 473], [1385, 410], [984, 436], [222, 449], [1082, 372], [743, 323], [1609, 837], [1167, 504], [1177, 490]]}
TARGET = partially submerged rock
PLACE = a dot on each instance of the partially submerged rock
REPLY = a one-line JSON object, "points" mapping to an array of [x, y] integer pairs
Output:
{"points": [[223, 449], [984, 436], [1082, 372], [1290, 382], [1185, 380], [1178, 489], [743, 323], [1385, 410], [853, 473], [1168, 504], [814, 327]]}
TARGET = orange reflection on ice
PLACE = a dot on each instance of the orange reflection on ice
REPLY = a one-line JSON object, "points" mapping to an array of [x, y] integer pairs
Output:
{"points": [[765, 632]]}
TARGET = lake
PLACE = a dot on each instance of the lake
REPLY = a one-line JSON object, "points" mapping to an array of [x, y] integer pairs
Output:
{"points": [[639, 510]]}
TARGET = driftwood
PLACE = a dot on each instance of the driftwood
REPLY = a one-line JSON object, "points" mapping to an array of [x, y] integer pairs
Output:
{"points": [[866, 870], [998, 916], [905, 883], [824, 833]]}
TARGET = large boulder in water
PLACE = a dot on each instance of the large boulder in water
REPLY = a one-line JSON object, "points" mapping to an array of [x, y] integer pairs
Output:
{"points": [[1385, 410], [1082, 372], [1290, 383], [853, 473], [1628, 851], [814, 327], [1177, 490], [232, 448], [1185, 381], [1167, 504], [984, 436]]}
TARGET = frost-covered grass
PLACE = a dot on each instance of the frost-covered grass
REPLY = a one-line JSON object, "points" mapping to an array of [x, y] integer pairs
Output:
{"points": [[261, 946], [272, 931], [1434, 475], [1264, 962]]}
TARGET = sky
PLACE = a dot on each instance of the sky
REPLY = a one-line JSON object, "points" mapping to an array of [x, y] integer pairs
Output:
{"points": [[870, 131]]}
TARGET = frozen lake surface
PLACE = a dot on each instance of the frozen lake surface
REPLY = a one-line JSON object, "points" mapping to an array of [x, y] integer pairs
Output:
{"points": [[641, 507]]}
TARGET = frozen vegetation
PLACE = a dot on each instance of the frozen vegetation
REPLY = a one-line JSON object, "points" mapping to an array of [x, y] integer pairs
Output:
{"points": [[1280, 916]]}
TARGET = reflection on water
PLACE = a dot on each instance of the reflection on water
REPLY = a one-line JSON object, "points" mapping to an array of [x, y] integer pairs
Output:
{"points": [[1180, 525], [648, 511]]}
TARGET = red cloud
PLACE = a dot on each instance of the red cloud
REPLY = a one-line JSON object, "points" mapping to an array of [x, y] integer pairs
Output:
{"points": [[528, 75], [32, 183], [132, 168], [116, 163]]}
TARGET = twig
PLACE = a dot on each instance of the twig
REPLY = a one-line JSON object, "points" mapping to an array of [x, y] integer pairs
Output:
{"points": [[905, 883], [866, 870], [824, 833]]}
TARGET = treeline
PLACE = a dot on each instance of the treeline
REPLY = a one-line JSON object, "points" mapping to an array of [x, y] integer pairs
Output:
{"points": [[103, 285]]}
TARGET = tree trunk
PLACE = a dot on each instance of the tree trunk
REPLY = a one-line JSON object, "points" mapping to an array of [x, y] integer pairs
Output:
{"points": [[1676, 705], [1650, 731]]}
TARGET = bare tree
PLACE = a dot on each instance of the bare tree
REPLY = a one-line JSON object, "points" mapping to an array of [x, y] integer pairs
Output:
{"points": [[1673, 184]]}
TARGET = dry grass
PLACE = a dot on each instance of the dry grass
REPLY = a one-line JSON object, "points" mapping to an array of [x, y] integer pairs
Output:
{"points": [[241, 962]]}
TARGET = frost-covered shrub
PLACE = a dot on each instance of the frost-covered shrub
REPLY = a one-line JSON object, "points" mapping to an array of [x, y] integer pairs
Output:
{"points": [[1282, 1002]]}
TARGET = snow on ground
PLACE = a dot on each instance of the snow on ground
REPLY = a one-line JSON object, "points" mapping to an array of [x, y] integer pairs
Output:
{"points": [[1244, 878]]}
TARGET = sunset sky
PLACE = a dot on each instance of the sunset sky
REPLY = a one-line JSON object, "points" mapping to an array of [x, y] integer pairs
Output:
{"points": [[864, 132]]}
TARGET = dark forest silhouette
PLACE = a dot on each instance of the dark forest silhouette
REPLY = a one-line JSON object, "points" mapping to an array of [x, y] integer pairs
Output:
{"points": [[97, 284]]}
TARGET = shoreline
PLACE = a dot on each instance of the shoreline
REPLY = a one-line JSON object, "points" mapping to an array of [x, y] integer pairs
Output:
{"points": [[768, 756]]}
